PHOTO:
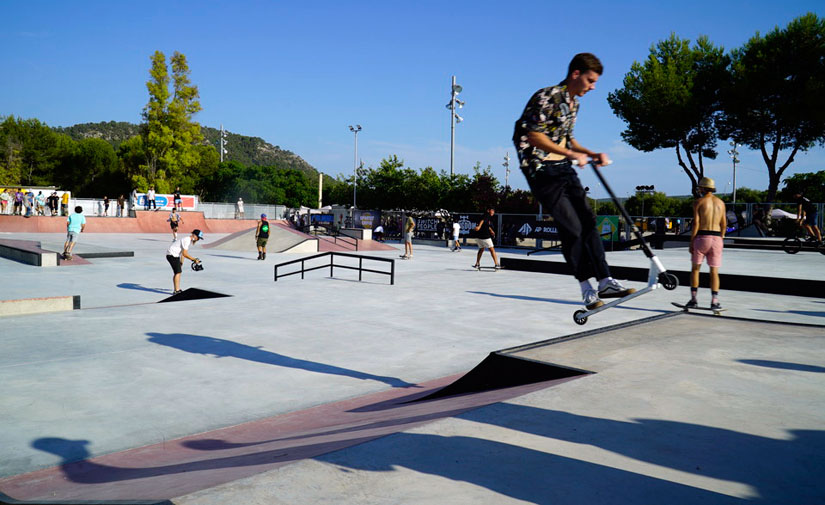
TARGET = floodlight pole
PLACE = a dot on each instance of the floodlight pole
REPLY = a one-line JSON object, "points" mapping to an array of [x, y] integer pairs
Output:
{"points": [[734, 155], [455, 89], [507, 171], [355, 130]]}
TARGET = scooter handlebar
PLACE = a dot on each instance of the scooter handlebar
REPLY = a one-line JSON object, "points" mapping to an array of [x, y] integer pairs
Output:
{"points": [[575, 163]]}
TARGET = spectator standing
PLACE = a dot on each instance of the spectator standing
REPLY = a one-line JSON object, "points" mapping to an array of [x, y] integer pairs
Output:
{"points": [[176, 253], [64, 204], [29, 203], [74, 227], [40, 204], [18, 202], [105, 205], [150, 198], [178, 199], [54, 203], [239, 208], [5, 200], [121, 201]]}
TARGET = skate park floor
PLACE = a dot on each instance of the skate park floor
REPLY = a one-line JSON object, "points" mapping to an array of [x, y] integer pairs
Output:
{"points": [[293, 391]]}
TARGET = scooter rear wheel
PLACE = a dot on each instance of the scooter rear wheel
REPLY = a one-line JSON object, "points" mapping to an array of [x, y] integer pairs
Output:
{"points": [[669, 281], [579, 317]]}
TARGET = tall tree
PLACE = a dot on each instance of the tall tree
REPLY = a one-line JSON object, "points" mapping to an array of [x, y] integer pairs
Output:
{"points": [[170, 136], [775, 99], [670, 100]]}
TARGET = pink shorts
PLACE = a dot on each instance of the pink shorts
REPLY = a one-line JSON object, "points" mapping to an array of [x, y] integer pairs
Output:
{"points": [[707, 246]]}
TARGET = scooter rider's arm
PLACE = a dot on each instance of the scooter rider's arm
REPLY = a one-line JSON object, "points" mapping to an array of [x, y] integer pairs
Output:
{"points": [[185, 254], [576, 152]]}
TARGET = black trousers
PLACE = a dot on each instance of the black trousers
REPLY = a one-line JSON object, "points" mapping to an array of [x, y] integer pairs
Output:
{"points": [[557, 186]]}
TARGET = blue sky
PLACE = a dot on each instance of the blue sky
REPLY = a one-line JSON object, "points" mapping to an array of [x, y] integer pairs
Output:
{"points": [[298, 73]]}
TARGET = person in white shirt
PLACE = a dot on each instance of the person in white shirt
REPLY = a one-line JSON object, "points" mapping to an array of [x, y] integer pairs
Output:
{"points": [[177, 252], [456, 236]]}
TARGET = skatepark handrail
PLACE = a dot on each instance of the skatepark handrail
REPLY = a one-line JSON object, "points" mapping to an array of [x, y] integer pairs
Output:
{"points": [[332, 265]]}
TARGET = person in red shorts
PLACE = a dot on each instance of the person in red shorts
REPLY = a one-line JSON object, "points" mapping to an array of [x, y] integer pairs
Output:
{"points": [[708, 233]]}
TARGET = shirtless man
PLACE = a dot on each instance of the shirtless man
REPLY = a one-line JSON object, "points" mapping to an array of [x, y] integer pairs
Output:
{"points": [[709, 225]]}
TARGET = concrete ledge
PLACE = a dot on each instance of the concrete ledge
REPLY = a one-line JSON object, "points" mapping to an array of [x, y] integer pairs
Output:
{"points": [[28, 252], [39, 305]]}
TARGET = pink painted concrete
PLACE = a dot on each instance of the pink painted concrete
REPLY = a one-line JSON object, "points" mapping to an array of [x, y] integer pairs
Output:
{"points": [[183, 466]]}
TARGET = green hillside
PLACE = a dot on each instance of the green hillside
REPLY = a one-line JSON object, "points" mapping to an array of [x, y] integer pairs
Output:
{"points": [[246, 150]]}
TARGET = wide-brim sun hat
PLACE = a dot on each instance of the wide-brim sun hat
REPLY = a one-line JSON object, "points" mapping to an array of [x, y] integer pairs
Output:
{"points": [[707, 183]]}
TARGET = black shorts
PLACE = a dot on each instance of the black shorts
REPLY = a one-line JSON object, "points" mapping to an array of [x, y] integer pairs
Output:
{"points": [[175, 262], [173, 225], [810, 218]]}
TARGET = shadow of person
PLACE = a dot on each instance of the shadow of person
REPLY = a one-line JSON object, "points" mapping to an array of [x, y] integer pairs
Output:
{"points": [[783, 365], [559, 301], [787, 470], [519, 472], [138, 287], [220, 348]]}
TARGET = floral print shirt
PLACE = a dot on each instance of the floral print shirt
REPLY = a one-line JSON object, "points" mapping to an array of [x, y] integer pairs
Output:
{"points": [[549, 111]]}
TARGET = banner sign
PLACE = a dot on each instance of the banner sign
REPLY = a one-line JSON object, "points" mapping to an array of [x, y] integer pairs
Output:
{"points": [[608, 227], [427, 224], [538, 230], [366, 219], [322, 218], [189, 202]]}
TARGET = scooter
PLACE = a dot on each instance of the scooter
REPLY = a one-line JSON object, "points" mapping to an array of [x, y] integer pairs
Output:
{"points": [[657, 275]]}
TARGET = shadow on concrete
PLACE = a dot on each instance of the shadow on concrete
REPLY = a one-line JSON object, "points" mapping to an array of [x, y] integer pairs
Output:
{"points": [[783, 365], [220, 348], [563, 302], [811, 313], [784, 470], [233, 257], [132, 285], [521, 473]]}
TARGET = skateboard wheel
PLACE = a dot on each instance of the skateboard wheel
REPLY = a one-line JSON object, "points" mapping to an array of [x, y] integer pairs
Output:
{"points": [[579, 317]]}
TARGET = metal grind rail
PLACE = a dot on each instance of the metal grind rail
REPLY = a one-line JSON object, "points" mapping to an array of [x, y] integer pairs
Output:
{"points": [[332, 265]]}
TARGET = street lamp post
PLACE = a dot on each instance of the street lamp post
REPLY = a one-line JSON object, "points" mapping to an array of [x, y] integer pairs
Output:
{"points": [[455, 89], [734, 154], [355, 129]]}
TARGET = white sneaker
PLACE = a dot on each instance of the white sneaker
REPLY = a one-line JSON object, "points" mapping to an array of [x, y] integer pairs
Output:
{"points": [[591, 299], [614, 289]]}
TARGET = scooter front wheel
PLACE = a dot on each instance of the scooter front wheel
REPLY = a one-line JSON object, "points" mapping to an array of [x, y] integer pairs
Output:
{"points": [[579, 317]]}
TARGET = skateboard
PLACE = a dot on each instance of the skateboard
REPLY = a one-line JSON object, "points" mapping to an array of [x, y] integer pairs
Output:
{"points": [[716, 312], [492, 269], [67, 256], [404, 257]]}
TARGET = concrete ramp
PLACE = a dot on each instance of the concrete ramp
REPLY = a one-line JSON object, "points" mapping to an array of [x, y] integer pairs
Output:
{"points": [[282, 239]]}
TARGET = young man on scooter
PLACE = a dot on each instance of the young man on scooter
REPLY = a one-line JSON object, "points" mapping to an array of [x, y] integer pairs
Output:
{"points": [[546, 149]]}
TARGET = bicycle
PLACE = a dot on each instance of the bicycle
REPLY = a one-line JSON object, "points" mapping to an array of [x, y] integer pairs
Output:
{"points": [[801, 238]]}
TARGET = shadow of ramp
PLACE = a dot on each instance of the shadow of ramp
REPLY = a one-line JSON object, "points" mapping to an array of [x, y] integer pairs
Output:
{"points": [[193, 294], [499, 371]]}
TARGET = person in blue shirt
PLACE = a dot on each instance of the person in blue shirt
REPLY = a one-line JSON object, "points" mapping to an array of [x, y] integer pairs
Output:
{"points": [[74, 227]]}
